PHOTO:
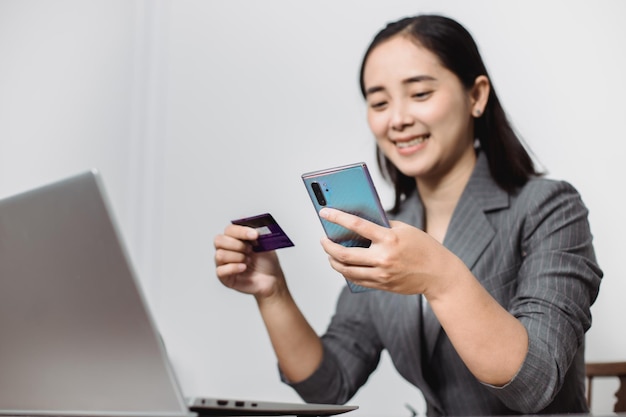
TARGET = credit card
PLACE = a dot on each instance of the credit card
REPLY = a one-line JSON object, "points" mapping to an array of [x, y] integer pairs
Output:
{"points": [[271, 235]]}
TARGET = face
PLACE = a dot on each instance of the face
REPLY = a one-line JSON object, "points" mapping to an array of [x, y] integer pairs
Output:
{"points": [[419, 111]]}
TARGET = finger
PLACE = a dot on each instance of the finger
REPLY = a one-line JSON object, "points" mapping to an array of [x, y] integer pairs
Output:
{"points": [[227, 271], [223, 257], [396, 223], [357, 224], [232, 243], [241, 232], [361, 275], [347, 255]]}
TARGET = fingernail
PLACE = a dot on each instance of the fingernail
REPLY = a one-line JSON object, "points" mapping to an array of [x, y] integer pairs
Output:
{"points": [[324, 213]]}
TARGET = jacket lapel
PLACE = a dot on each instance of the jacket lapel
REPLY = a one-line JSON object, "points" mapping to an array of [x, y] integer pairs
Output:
{"points": [[469, 231]]}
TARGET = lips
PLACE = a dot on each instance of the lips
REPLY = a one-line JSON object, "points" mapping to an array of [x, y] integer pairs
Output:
{"points": [[414, 141]]}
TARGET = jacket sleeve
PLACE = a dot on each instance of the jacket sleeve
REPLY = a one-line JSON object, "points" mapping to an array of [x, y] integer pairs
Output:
{"points": [[351, 353], [558, 282]]}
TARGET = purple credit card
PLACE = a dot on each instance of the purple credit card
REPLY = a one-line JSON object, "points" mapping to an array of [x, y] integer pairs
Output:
{"points": [[271, 236]]}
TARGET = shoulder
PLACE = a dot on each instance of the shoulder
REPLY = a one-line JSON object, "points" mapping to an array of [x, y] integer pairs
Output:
{"points": [[540, 194], [541, 208], [547, 185], [551, 210]]}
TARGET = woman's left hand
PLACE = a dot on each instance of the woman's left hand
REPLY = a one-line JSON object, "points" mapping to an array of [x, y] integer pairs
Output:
{"points": [[401, 259]]}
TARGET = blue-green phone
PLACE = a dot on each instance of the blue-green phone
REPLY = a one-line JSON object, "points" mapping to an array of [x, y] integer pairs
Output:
{"points": [[347, 188]]}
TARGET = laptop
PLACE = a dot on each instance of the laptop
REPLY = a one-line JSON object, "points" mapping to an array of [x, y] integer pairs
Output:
{"points": [[76, 335]]}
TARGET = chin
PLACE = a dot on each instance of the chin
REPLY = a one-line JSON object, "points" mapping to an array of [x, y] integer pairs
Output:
{"points": [[411, 171]]}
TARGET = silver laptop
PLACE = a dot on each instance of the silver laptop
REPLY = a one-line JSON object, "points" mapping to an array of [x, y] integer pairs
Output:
{"points": [[76, 336]]}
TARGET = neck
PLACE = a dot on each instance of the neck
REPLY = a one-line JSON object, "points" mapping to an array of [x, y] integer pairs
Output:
{"points": [[440, 195]]}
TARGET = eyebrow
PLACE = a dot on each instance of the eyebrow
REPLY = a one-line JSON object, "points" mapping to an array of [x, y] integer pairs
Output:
{"points": [[410, 80]]}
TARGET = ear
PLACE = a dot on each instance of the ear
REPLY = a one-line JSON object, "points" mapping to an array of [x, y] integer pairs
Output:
{"points": [[479, 94]]}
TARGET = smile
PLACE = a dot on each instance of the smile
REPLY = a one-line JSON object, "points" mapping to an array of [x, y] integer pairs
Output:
{"points": [[411, 142]]}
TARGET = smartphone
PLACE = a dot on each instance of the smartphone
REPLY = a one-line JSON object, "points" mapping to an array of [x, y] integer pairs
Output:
{"points": [[347, 188]]}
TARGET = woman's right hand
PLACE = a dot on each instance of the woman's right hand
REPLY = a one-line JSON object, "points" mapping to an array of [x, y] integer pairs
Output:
{"points": [[240, 268], [297, 346]]}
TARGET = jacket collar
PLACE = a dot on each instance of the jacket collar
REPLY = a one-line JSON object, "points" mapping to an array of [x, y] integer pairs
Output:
{"points": [[469, 231]]}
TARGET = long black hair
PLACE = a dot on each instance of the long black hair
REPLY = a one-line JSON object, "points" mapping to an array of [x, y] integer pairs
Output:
{"points": [[509, 162]]}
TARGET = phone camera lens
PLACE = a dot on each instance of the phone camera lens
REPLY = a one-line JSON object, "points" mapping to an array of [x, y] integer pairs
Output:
{"points": [[319, 195]]}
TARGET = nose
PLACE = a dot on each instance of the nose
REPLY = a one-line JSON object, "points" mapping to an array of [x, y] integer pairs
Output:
{"points": [[401, 118]]}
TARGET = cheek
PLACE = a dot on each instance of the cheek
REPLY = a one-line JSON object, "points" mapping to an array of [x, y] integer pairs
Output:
{"points": [[447, 115], [436, 112], [377, 123]]}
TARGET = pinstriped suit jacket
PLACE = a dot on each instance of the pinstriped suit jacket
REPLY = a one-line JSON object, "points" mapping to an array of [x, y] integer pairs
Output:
{"points": [[532, 250]]}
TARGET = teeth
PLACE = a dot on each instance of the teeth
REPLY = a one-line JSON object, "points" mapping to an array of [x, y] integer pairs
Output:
{"points": [[411, 142]]}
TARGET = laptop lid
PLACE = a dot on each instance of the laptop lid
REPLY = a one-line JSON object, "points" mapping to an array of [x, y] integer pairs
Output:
{"points": [[76, 335]]}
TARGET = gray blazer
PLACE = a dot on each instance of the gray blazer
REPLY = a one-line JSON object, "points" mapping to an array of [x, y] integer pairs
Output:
{"points": [[532, 250]]}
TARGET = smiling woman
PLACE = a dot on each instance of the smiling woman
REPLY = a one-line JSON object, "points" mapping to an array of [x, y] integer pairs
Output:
{"points": [[486, 276], [199, 112], [450, 88], [421, 114]]}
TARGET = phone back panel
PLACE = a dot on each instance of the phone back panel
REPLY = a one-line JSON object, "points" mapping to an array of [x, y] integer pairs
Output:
{"points": [[347, 188]]}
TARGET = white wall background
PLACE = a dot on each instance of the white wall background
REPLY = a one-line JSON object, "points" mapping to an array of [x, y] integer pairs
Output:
{"points": [[199, 112]]}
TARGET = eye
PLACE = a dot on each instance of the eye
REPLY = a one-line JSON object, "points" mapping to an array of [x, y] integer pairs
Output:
{"points": [[378, 105], [422, 95]]}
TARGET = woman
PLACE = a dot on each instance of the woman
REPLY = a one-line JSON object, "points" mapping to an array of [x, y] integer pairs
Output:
{"points": [[487, 274]]}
